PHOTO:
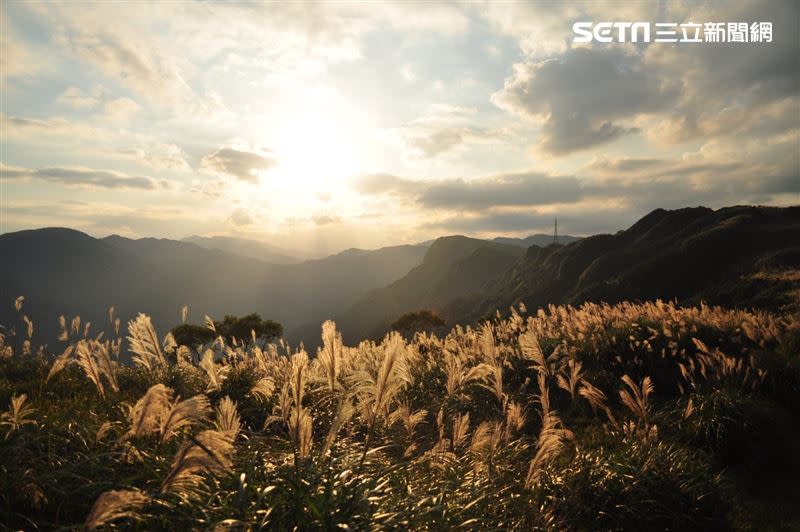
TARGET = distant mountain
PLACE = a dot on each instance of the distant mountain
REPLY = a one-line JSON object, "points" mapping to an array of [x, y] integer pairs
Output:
{"points": [[536, 240], [737, 256], [62, 271], [454, 268], [246, 248]]}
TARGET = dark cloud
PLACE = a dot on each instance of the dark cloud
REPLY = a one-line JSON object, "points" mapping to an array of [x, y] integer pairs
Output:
{"points": [[589, 96], [239, 164], [503, 190], [529, 188], [583, 94], [644, 183], [84, 177]]}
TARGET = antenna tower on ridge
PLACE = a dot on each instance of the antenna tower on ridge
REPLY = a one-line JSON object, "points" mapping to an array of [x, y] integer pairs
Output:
{"points": [[555, 231]]}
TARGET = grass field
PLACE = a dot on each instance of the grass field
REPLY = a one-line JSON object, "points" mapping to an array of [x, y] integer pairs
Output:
{"points": [[633, 417]]}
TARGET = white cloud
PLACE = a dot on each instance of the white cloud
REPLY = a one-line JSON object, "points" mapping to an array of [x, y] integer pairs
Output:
{"points": [[121, 109], [408, 73], [86, 177], [243, 165]]}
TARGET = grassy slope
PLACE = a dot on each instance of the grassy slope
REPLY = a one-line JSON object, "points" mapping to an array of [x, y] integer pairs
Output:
{"points": [[713, 447]]}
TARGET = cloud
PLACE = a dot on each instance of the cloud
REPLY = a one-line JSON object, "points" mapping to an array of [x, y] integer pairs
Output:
{"points": [[120, 109], [240, 164], [322, 219], [588, 96], [37, 129], [408, 73], [157, 156], [241, 217], [86, 177], [527, 188], [442, 129], [373, 184], [103, 218], [583, 96], [530, 188], [79, 99], [570, 221], [545, 28], [637, 183], [20, 60]]}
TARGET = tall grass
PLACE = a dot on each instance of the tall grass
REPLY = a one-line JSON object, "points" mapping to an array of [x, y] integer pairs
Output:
{"points": [[571, 418]]}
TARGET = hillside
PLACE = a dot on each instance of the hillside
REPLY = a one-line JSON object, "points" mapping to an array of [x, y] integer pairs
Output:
{"points": [[695, 254], [246, 248], [454, 267], [62, 271], [737, 256], [536, 240]]}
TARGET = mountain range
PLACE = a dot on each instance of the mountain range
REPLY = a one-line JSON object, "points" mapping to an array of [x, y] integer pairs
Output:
{"points": [[737, 256], [246, 248], [62, 271]]}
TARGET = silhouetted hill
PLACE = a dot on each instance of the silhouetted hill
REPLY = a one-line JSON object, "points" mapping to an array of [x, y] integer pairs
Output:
{"points": [[246, 248], [454, 267], [737, 256], [536, 240], [721, 257], [62, 271]]}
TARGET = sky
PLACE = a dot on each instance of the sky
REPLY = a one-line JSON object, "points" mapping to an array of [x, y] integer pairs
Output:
{"points": [[322, 126]]}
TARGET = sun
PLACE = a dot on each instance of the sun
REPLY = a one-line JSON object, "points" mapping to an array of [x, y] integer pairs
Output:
{"points": [[317, 150]]}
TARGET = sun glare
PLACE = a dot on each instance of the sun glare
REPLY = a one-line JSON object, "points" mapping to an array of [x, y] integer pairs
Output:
{"points": [[316, 150]]}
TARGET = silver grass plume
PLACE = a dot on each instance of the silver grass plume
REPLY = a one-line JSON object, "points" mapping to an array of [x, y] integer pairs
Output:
{"points": [[18, 414], [145, 415], [63, 334], [144, 343], [570, 381], [330, 354], [393, 374], [183, 414], [61, 363], [216, 372], [460, 429], [113, 505], [299, 421], [552, 442], [227, 417], [29, 326], [595, 396], [263, 388], [88, 363], [208, 452], [343, 415]]}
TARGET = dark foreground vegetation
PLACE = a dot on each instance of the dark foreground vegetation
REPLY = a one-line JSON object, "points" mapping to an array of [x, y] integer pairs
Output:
{"points": [[632, 417]]}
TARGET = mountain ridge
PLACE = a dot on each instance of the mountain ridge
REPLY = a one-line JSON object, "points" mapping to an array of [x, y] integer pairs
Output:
{"points": [[693, 254]]}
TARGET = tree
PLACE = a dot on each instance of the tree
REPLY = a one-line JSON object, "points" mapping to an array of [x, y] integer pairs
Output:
{"points": [[229, 328], [419, 321]]}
